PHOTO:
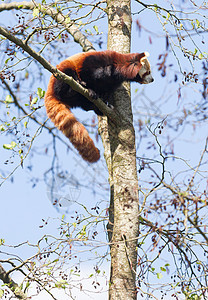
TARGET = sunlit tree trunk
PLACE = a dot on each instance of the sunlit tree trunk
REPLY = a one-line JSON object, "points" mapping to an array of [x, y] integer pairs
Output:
{"points": [[120, 155]]}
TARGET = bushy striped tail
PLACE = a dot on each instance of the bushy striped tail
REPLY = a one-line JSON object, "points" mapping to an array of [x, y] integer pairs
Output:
{"points": [[62, 117]]}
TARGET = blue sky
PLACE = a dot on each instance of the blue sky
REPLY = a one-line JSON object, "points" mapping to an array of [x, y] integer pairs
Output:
{"points": [[23, 206]]}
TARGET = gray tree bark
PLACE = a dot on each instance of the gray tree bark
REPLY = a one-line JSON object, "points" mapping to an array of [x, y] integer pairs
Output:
{"points": [[120, 155]]}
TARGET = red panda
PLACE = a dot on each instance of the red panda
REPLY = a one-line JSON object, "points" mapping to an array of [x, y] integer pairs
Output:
{"points": [[101, 73]]}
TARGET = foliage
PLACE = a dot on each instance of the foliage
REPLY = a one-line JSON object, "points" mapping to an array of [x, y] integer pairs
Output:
{"points": [[170, 121]]}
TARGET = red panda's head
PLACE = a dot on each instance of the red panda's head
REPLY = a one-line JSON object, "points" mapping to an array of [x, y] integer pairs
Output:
{"points": [[144, 75]]}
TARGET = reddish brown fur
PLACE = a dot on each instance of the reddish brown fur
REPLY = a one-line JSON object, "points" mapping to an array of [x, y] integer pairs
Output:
{"points": [[101, 72], [64, 120]]}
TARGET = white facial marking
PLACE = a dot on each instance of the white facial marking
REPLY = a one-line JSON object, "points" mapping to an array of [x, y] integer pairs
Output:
{"points": [[147, 79], [145, 71]]}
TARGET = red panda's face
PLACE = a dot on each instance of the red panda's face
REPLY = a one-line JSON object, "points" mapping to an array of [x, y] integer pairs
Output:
{"points": [[144, 75]]}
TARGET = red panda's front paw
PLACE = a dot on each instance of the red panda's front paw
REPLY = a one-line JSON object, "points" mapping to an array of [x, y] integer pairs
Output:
{"points": [[110, 105], [83, 83], [92, 94]]}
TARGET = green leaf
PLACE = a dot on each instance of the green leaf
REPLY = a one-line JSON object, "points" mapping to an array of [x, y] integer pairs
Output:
{"points": [[2, 128], [96, 28], [25, 124], [35, 12], [9, 146], [40, 93], [27, 285], [61, 284], [8, 99], [194, 297], [1, 293], [6, 61], [200, 56], [2, 241], [88, 31], [198, 23], [26, 74], [67, 20], [34, 101], [13, 144], [159, 275], [163, 269]]}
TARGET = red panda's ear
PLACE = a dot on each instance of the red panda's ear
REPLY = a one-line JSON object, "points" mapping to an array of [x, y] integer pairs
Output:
{"points": [[143, 55], [142, 61], [131, 68], [135, 65]]}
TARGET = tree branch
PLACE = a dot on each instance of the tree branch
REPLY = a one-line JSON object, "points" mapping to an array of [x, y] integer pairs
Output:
{"points": [[20, 107], [11, 284], [60, 75], [71, 28]]}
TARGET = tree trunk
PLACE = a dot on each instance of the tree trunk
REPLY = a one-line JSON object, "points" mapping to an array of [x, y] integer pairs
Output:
{"points": [[120, 155]]}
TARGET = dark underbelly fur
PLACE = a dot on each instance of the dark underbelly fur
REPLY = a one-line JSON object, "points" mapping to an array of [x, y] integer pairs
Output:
{"points": [[67, 95], [103, 87]]}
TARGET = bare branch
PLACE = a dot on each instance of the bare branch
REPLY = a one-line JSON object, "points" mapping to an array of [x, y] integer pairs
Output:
{"points": [[55, 15], [60, 75], [4, 276]]}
